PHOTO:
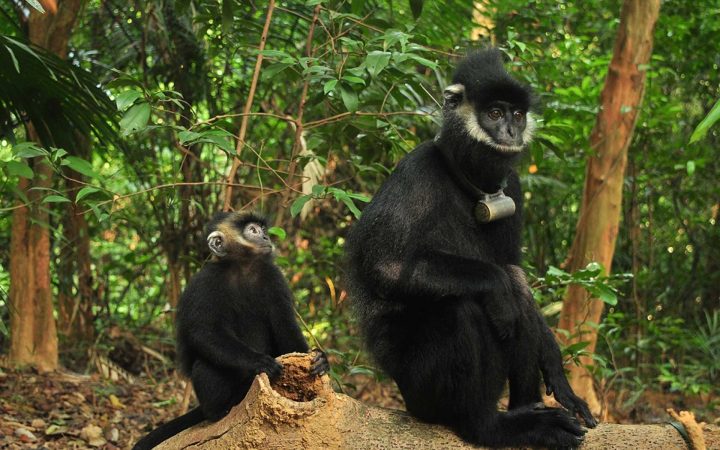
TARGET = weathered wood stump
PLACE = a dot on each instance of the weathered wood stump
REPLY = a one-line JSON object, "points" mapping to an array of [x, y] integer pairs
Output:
{"points": [[302, 412]]}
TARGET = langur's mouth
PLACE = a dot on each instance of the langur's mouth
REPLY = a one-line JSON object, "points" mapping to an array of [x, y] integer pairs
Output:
{"points": [[503, 148], [265, 248]]}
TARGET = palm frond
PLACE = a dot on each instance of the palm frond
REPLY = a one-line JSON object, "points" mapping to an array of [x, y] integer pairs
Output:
{"points": [[58, 98]]}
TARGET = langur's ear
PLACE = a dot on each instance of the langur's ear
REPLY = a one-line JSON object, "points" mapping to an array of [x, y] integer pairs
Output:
{"points": [[216, 244], [453, 95]]}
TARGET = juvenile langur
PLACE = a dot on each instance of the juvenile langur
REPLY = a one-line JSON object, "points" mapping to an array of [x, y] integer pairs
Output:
{"points": [[233, 319], [435, 281]]}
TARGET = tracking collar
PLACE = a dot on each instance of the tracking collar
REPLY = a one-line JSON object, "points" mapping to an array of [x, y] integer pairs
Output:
{"points": [[490, 206]]}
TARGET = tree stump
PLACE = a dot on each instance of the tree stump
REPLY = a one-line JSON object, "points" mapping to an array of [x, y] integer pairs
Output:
{"points": [[301, 412]]}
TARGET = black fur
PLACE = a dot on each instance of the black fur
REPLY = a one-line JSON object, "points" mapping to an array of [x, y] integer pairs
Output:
{"points": [[443, 306], [233, 319]]}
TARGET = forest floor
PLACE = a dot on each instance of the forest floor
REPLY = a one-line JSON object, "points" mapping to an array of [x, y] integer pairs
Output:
{"points": [[63, 410]]}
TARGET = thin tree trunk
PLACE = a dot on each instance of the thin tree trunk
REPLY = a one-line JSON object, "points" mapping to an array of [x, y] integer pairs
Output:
{"points": [[75, 316], [597, 225], [75, 304], [32, 325], [175, 275]]}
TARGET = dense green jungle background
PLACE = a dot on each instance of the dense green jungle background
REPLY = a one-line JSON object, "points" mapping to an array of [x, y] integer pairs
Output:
{"points": [[165, 84]]}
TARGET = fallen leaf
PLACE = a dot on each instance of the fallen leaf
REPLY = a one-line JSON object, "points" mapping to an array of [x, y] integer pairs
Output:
{"points": [[115, 402], [25, 435], [113, 435], [37, 424], [56, 429], [93, 435]]}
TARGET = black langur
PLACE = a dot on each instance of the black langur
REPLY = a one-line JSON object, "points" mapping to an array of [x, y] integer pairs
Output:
{"points": [[434, 276], [234, 317]]}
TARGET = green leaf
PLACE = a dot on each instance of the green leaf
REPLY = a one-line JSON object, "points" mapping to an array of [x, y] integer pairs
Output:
{"points": [[16, 64], [80, 165], [344, 197], [135, 119], [58, 153], [36, 4], [554, 271], [709, 120], [279, 232], [349, 98], [393, 36], [126, 99], [318, 190], [186, 136], [329, 86], [359, 370], [84, 192], [376, 61], [275, 54], [575, 348], [298, 204], [28, 150], [593, 269], [604, 293], [99, 215], [20, 169], [353, 79], [690, 167], [351, 206], [55, 199], [425, 62], [274, 69], [360, 197], [552, 309]]}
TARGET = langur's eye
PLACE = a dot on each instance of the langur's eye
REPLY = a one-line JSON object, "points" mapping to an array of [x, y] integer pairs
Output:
{"points": [[518, 115], [495, 114]]}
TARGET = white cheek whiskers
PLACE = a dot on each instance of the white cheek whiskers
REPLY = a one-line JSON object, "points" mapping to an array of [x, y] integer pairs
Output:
{"points": [[467, 114]]}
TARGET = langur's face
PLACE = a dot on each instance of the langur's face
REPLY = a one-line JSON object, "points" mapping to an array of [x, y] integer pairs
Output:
{"points": [[504, 126]]}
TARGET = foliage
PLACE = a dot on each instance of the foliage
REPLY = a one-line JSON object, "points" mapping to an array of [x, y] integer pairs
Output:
{"points": [[57, 97], [703, 127]]}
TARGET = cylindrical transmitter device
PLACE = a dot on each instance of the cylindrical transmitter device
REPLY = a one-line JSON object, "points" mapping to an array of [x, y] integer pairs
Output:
{"points": [[494, 207]]}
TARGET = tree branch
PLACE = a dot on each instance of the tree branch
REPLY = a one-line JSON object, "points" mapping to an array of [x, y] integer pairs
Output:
{"points": [[248, 104], [300, 411]]}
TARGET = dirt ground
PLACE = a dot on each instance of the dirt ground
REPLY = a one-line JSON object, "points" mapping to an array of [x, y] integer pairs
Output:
{"points": [[67, 411]]}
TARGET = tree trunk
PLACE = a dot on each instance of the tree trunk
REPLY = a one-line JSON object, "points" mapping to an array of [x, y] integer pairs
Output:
{"points": [[597, 226], [301, 412], [75, 314], [32, 325], [175, 276]]}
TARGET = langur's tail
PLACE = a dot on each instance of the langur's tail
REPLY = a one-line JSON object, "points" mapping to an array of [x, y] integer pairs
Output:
{"points": [[169, 429]]}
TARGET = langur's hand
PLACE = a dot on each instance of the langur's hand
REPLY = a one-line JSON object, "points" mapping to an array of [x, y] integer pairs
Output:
{"points": [[270, 366], [320, 364]]}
